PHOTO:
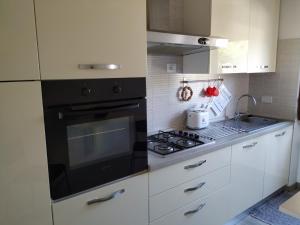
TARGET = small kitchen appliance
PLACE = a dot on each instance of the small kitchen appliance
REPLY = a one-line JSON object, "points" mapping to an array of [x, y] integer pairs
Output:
{"points": [[197, 118]]}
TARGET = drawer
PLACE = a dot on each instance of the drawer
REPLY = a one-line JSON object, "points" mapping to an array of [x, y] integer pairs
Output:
{"points": [[129, 205], [181, 195], [166, 178], [212, 210]]}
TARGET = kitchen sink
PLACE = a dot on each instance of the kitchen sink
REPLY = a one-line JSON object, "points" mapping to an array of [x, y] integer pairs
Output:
{"points": [[248, 123]]}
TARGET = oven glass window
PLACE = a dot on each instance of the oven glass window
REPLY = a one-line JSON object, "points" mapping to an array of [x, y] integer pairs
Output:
{"points": [[101, 140]]}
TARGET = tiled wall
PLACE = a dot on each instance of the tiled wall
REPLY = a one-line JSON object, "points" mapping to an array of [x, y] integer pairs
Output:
{"points": [[282, 86], [165, 110]]}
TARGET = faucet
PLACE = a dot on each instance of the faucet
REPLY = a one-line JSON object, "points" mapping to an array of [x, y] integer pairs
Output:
{"points": [[237, 111]]}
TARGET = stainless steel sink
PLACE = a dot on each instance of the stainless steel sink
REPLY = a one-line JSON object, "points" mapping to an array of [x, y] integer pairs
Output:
{"points": [[248, 123]]}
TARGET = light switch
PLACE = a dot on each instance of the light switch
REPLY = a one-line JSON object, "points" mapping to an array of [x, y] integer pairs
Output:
{"points": [[267, 99], [171, 68]]}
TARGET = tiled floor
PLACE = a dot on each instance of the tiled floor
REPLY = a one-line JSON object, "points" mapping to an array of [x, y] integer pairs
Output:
{"points": [[249, 220], [270, 203]]}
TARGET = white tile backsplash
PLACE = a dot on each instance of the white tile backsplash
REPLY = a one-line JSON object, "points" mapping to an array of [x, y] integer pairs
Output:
{"points": [[282, 86], [165, 111]]}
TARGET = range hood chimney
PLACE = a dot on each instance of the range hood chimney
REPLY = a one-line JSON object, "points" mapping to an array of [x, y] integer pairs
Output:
{"points": [[179, 44]]}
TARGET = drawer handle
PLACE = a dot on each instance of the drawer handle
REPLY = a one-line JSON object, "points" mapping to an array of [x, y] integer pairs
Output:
{"points": [[99, 66], [250, 146], [281, 134], [195, 210], [105, 199], [194, 188], [226, 67], [195, 165]]}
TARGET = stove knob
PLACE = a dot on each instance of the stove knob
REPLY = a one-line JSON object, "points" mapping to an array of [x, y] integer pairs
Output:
{"points": [[180, 132], [197, 136], [191, 135], [185, 133], [117, 89]]}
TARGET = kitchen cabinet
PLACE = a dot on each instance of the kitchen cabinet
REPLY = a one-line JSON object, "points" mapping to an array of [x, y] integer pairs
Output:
{"points": [[247, 174], [171, 176], [124, 202], [278, 146], [18, 44], [178, 185], [25, 194], [212, 210], [181, 195], [98, 39], [230, 19], [264, 20]]}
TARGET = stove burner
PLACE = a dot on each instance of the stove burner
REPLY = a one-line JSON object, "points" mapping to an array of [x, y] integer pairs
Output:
{"points": [[165, 148], [165, 143], [185, 142]]}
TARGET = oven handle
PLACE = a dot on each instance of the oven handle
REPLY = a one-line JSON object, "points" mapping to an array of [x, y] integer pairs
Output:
{"points": [[62, 115]]}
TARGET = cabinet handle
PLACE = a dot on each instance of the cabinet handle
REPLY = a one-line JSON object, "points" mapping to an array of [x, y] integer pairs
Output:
{"points": [[235, 66], [194, 188], [105, 199], [266, 66], [250, 146], [226, 67], [281, 134], [195, 210], [99, 66], [195, 165]]}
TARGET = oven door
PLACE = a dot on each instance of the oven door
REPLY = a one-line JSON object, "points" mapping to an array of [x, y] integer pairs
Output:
{"points": [[89, 145]]}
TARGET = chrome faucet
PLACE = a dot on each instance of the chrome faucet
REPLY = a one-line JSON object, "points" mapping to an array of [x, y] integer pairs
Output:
{"points": [[237, 110]]}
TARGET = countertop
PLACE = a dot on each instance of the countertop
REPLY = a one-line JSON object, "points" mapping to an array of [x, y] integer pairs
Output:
{"points": [[157, 162]]}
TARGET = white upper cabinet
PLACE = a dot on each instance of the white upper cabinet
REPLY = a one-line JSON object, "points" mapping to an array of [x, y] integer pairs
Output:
{"points": [[25, 194], [230, 19], [18, 55], [91, 39], [278, 145], [264, 20]]}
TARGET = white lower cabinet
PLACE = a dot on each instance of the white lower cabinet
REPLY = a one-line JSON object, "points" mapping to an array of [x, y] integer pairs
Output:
{"points": [[172, 176], [212, 210], [124, 202], [168, 201], [24, 185], [278, 146], [247, 174]]}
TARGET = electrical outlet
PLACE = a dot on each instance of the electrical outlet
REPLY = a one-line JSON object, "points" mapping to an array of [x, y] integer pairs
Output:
{"points": [[171, 68], [267, 99]]}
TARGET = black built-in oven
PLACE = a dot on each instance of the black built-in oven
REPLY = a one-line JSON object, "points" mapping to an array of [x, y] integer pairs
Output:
{"points": [[96, 132]]}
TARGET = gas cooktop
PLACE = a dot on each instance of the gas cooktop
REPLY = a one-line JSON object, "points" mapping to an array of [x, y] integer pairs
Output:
{"points": [[165, 143]]}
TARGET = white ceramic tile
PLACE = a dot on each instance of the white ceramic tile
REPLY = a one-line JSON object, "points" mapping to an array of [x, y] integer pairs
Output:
{"points": [[165, 111]]}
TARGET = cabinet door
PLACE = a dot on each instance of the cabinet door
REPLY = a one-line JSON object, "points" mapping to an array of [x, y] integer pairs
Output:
{"points": [[25, 195], [18, 56], [248, 160], [278, 145], [212, 210], [124, 202], [264, 20], [230, 19], [94, 39]]}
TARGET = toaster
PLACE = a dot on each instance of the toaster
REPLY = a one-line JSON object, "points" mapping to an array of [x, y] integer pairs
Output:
{"points": [[197, 118]]}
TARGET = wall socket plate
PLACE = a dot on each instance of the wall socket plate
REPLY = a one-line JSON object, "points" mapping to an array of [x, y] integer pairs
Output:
{"points": [[171, 68], [267, 99]]}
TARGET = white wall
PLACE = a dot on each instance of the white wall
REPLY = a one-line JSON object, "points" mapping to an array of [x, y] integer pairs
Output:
{"points": [[165, 111], [290, 29], [289, 19]]}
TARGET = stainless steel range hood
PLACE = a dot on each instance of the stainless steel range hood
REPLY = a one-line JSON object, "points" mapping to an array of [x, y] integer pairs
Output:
{"points": [[178, 44]]}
